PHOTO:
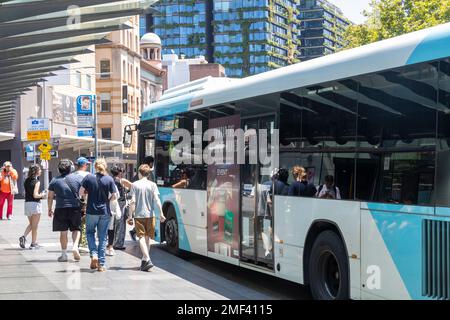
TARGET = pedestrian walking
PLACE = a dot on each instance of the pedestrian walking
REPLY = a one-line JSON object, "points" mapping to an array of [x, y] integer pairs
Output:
{"points": [[146, 196], [67, 213], [33, 208], [83, 171], [120, 226], [8, 188], [100, 190], [149, 160]]}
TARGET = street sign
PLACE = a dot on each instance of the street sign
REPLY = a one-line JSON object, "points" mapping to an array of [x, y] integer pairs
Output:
{"points": [[44, 164], [55, 144], [29, 156], [38, 129], [86, 133], [29, 148], [45, 156], [45, 147], [85, 111], [38, 135]]}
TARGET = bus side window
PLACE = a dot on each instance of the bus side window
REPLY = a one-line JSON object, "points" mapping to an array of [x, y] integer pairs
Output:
{"points": [[443, 147], [318, 133], [397, 136]]}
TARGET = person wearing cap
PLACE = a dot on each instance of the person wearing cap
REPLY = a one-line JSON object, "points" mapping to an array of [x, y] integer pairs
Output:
{"points": [[8, 187], [83, 171]]}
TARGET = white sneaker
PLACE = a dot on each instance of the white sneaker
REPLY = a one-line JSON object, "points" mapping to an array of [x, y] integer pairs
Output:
{"points": [[110, 252], [76, 255], [63, 258]]}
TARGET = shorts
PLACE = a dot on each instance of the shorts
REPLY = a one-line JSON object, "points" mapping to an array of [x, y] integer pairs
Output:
{"points": [[145, 227], [67, 219], [32, 208]]}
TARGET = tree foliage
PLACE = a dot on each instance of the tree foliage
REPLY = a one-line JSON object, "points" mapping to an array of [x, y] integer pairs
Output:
{"points": [[390, 18]]}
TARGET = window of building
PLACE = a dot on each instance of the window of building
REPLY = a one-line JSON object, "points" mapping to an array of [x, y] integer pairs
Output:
{"points": [[105, 69], [89, 82], [105, 102], [106, 133], [137, 76], [77, 80], [125, 99]]}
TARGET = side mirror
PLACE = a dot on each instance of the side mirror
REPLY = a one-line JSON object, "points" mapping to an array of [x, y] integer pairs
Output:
{"points": [[127, 138], [128, 135]]}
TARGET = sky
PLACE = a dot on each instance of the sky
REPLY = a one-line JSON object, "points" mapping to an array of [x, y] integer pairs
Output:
{"points": [[352, 8]]}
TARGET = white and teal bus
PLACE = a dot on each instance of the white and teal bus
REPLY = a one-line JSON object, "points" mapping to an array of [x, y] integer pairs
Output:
{"points": [[376, 118]]}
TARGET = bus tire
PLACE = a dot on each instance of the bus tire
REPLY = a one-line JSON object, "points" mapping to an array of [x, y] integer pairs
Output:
{"points": [[171, 232], [329, 270]]}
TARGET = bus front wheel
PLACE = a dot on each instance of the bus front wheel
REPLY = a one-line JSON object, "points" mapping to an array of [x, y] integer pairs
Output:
{"points": [[171, 233], [328, 267]]}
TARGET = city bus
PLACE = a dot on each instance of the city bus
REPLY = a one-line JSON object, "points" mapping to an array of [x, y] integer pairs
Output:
{"points": [[375, 118]]}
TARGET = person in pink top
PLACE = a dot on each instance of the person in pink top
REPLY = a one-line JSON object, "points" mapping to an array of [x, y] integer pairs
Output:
{"points": [[8, 187]]}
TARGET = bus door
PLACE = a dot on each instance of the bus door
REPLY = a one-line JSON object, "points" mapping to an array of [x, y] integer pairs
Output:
{"points": [[256, 209]]}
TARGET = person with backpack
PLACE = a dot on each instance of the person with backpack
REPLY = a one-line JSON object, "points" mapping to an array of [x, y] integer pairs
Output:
{"points": [[100, 190], [67, 213], [328, 190]]}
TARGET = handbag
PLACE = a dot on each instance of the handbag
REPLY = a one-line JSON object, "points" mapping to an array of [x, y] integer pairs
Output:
{"points": [[13, 186], [115, 209], [81, 202]]}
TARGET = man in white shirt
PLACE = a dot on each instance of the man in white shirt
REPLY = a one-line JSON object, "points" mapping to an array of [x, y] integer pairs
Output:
{"points": [[328, 190], [146, 196]]}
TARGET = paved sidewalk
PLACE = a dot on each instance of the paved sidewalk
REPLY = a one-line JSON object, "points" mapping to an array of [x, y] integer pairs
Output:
{"points": [[27, 274]]}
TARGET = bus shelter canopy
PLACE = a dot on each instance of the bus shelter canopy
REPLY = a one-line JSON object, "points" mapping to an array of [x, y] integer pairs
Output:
{"points": [[38, 37]]}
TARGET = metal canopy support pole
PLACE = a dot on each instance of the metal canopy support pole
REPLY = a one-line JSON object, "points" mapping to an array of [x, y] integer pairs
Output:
{"points": [[95, 129], [45, 162]]}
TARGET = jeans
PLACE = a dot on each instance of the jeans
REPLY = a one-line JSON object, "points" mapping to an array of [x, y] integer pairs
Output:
{"points": [[99, 222]]}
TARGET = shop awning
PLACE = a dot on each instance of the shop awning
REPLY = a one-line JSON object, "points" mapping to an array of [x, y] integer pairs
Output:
{"points": [[38, 37], [82, 143], [4, 136]]}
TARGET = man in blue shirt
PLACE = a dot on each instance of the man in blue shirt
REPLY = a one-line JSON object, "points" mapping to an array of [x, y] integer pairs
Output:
{"points": [[67, 214], [100, 189]]}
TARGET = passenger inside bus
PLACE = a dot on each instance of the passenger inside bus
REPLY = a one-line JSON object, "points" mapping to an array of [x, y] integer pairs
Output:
{"points": [[185, 179], [328, 190], [301, 187]]}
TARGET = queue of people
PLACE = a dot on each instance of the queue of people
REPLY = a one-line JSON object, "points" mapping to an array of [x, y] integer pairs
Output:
{"points": [[89, 205], [95, 207]]}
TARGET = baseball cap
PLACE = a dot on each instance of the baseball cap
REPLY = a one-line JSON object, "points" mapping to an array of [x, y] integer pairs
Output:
{"points": [[82, 161]]}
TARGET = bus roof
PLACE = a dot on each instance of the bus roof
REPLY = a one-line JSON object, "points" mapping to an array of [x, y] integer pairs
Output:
{"points": [[420, 46]]}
